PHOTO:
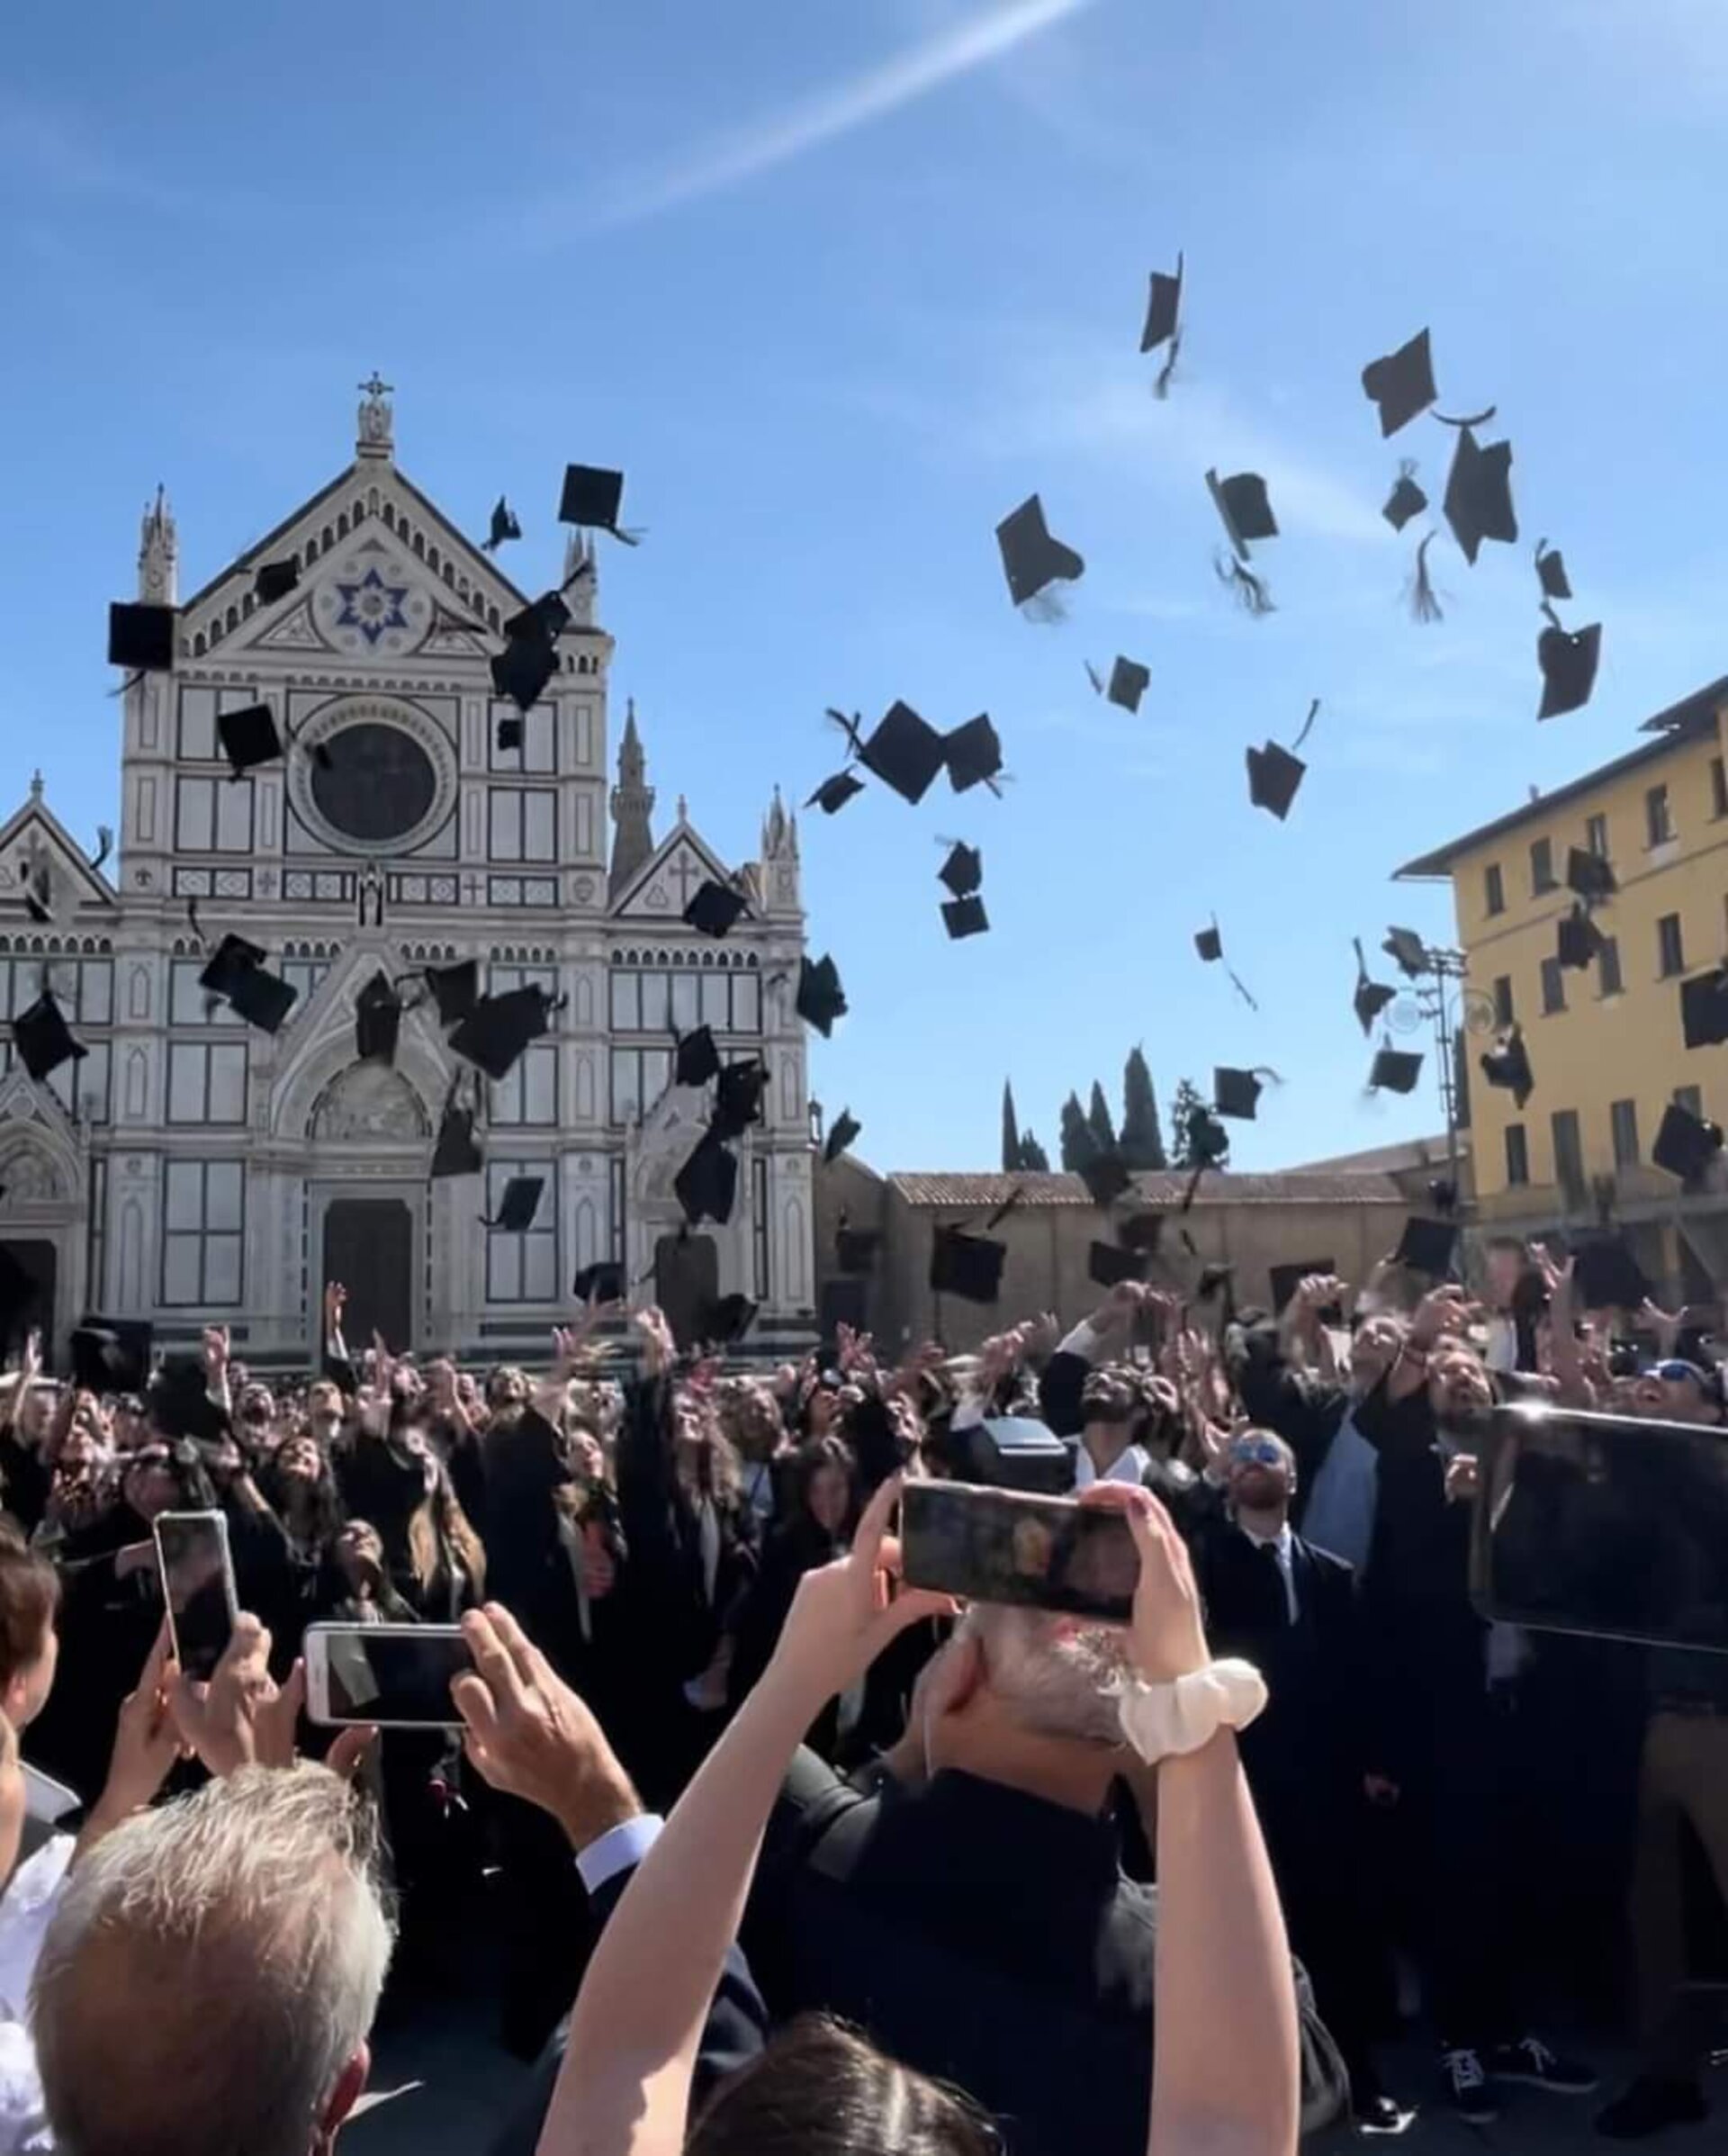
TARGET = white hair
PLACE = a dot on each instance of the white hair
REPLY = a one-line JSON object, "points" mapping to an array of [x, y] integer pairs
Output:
{"points": [[210, 1969], [1056, 1675]]}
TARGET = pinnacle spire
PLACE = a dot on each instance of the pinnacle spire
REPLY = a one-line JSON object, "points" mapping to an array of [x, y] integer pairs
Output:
{"points": [[632, 805]]}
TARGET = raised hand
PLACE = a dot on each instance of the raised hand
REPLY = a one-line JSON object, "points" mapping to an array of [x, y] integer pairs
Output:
{"points": [[216, 1347], [658, 1349], [1167, 1634], [1443, 1310], [218, 1719]]}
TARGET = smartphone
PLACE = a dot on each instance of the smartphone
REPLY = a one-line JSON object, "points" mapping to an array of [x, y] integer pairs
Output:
{"points": [[392, 1676], [1603, 1524], [1003, 1545], [197, 1586]]}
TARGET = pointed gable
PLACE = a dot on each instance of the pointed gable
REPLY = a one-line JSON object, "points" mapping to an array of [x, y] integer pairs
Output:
{"points": [[33, 834], [670, 878]]}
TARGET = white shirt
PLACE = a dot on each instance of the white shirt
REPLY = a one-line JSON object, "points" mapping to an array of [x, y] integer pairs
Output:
{"points": [[1281, 1545], [1129, 1467], [1340, 1515]]}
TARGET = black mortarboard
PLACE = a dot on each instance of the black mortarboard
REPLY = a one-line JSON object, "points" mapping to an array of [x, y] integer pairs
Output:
{"points": [[1246, 509], [542, 621], [276, 581], [518, 1205], [601, 1282], [708, 1183], [697, 1059], [591, 497], [1208, 1140], [963, 870], [1685, 1144], [504, 525], [1209, 943], [821, 998], [738, 1097], [1402, 383], [855, 1248], [974, 753], [727, 1320], [1568, 659], [1213, 1278], [1140, 1232], [904, 752], [179, 1401], [377, 1021], [1105, 1176], [1704, 1008], [499, 1028], [1031, 560], [1408, 952], [1162, 308], [141, 638], [113, 1355], [1110, 1267], [1509, 1067], [457, 1151], [1479, 494], [1551, 571], [249, 737], [1371, 996], [832, 795], [1406, 501], [456, 989], [1589, 874], [1607, 1276], [44, 1039], [963, 917], [968, 1266], [1273, 776], [846, 1128], [1580, 939], [522, 670], [1128, 681], [232, 957], [715, 908], [1238, 1092], [237, 973], [1426, 1246], [1395, 1071], [509, 730]]}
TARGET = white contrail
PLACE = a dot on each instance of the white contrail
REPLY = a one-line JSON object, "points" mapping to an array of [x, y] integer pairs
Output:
{"points": [[819, 119]]}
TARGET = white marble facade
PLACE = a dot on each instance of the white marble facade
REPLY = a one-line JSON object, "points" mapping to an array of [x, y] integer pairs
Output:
{"points": [[191, 1168]]}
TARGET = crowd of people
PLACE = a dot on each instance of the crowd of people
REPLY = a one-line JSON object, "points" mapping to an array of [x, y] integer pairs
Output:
{"points": [[855, 1867]]}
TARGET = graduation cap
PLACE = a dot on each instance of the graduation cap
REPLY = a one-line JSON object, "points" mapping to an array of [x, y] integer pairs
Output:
{"points": [[904, 752], [1580, 939], [1273, 776], [738, 1098], [593, 497], [1406, 501], [1371, 996], [178, 1400], [1401, 385], [1685, 1144], [1031, 560], [499, 1027], [1704, 1008], [456, 1151], [715, 908], [509, 729], [968, 1266], [1164, 318], [542, 621], [974, 755], [377, 1021], [727, 1320], [1214, 1279], [1607, 1276], [1141, 1231], [820, 999], [275, 580], [706, 1184], [832, 795], [522, 670], [1395, 1071], [963, 870], [1245, 508], [600, 1283], [456, 989], [238, 975], [113, 1355], [697, 1059], [141, 637], [846, 1128], [249, 737], [1408, 952], [1105, 1176], [1426, 1246], [1209, 944], [1551, 571], [1129, 682], [1208, 1140], [1110, 1265], [42, 1038], [963, 917], [1507, 1065], [1568, 659], [855, 1248], [518, 1205], [1590, 875], [1237, 1093], [1479, 494], [504, 526]]}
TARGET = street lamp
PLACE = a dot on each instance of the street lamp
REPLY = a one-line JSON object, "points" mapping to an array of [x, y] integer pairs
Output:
{"points": [[1437, 970]]}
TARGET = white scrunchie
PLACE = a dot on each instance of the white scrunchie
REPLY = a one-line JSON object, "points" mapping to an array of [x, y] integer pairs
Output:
{"points": [[1161, 1721]]}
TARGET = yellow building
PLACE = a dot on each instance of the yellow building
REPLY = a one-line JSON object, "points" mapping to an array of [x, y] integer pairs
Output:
{"points": [[1605, 1045]]}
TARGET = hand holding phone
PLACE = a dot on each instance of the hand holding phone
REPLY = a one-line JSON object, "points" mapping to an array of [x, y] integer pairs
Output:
{"points": [[197, 1572], [1001, 1546], [387, 1676]]}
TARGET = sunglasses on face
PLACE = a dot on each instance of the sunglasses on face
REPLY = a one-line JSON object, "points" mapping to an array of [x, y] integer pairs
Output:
{"points": [[1674, 1372], [1257, 1452]]}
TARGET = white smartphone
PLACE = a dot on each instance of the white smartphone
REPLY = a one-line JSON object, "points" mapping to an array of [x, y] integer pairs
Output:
{"points": [[391, 1676], [197, 1572]]}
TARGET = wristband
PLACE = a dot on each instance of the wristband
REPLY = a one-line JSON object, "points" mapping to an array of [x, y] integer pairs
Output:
{"points": [[1163, 1721]]}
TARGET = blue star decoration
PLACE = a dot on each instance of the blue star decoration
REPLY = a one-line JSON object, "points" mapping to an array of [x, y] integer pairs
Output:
{"points": [[372, 606]]}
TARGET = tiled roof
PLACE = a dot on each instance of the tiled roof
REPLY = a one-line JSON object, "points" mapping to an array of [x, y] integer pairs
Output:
{"points": [[1295, 1188]]}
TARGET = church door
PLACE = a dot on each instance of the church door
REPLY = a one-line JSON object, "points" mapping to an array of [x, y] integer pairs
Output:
{"points": [[39, 1262], [369, 1248], [687, 1280]]}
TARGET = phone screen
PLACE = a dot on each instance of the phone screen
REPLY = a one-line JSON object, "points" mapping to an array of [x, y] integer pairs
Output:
{"points": [[999, 1545], [198, 1587], [1605, 1524], [382, 1674]]}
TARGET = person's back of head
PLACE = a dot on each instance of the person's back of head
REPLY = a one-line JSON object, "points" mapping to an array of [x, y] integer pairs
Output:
{"points": [[29, 1600], [820, 2089], [212, 1972]]}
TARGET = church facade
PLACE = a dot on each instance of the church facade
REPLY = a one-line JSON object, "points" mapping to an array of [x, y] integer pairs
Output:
{"points": [[192, 1169]]}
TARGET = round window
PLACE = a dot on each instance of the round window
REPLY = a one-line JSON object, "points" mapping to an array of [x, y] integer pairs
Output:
{"points": [[379, 785]]}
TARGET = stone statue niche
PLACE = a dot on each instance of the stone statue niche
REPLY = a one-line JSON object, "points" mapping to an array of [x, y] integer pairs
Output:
{"points": [[370, 1100]]}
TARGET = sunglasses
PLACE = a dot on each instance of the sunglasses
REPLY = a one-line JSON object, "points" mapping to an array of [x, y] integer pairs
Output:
{"points": [[1674, 1370], [1258, 1452]]}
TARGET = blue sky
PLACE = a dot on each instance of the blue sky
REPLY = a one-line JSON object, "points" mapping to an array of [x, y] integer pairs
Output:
{"points": [[839, 286]]}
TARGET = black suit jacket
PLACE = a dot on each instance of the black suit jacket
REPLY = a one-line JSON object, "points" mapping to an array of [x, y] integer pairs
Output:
{"points": [[735, 2033]]}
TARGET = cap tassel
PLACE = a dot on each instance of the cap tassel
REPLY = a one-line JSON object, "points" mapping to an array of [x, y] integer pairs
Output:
{"points": [[585, 567], [1476, 419], [1424, 605], [1161, 387], [105, 845], [851, 727], [1094, 677], [1313, 713], [1248, 591], [1004, 1210], [194, 924], [1188, 1195], [1241, 991]]}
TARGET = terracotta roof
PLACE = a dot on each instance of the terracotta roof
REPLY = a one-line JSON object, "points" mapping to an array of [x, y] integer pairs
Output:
{"points": [[1294, 1187]]}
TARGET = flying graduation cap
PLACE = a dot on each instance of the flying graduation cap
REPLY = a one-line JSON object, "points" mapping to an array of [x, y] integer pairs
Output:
{"points": [[517, 1205], [696, 1058], [965, 1265], [1568, 659], [497, 1028], [1478, 505], [1408, 952], [1401, 385], [1685, 1144], [1237, 1093], [522, 670], [456, 989], [973, 753], [1106, 1176], [504, 526], [592, 498], [456, 1152], [820, 999], [738, 1098], [1370, 997], [1209, 947], [1394, 1069], [839, 1139], [275, 580], [1031, 560], [1590, 874], [1551, 571], [1704, 1008], [905, 752], [1275, 772], [238, 973], [1110, 1265], [707, 1186], [1245, 509], [1425, 1246], [1129, 682], [377, 1021], [726, 1319], [832, 795], [1507, 1065], [714, 908], [602, 1282], [1580, 940], [141, 637], [1406, 501], [1164, 323], [963, 870], [42, 1038]]}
